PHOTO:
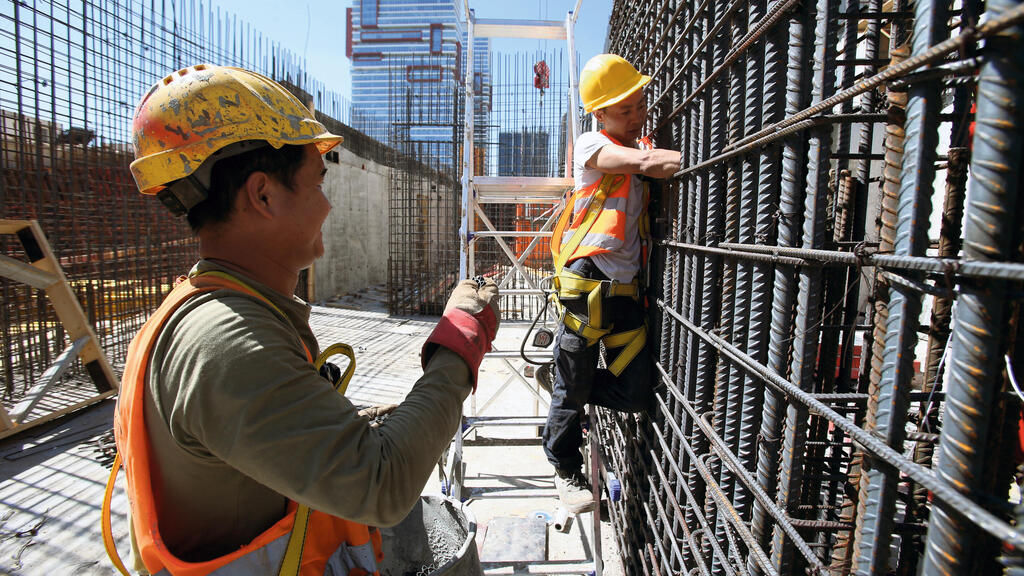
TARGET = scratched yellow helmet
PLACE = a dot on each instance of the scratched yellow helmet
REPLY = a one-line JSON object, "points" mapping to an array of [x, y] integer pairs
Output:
{"points": [[607, 79], [206, 111]]}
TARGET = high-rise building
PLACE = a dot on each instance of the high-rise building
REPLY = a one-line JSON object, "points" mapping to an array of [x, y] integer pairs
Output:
{"points": [[407, 71], [523, 153]]}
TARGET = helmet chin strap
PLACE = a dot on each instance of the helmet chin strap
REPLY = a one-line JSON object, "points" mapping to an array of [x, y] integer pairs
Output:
{"points": [[183, 194]]}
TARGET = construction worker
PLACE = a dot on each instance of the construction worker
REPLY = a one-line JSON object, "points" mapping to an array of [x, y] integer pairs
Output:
{"points": [[599, 250], [239, 456]]}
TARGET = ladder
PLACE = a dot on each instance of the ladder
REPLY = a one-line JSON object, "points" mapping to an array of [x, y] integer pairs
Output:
{"points": [[479, 191], [43, 271]]}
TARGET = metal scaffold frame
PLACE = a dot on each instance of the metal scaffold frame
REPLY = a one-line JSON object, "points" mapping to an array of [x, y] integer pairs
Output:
{"points": [[479, 191]]}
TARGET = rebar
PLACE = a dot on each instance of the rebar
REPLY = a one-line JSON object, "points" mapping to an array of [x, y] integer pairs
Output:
{"points": [[975, 372], [808, 433], [71, 73]]}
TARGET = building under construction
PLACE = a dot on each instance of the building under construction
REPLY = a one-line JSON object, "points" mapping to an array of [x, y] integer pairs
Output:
{"points": [[836, 271]]}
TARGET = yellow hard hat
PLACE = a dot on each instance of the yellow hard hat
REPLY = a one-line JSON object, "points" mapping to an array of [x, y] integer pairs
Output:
{"points": [[607, 79], [193, 113]]}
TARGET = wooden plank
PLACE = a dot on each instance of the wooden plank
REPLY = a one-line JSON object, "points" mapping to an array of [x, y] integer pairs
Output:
{"points": [[26, 273], [70, 312], [52, 374], [12, 226], [56, 414], [5, 420]]}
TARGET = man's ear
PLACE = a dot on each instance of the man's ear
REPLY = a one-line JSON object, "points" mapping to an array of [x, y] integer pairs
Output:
{"points": [[256, 194], [599, 114]]}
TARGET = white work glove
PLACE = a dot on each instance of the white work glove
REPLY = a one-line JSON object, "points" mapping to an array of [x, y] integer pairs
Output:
{"points": [[469, 324]]}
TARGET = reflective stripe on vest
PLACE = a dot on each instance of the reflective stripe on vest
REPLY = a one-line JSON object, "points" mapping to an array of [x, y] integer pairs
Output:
{"points": [[329, 544], [607, 232]]}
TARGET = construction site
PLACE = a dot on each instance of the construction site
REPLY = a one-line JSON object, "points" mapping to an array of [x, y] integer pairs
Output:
{"points": [[832, 297]]}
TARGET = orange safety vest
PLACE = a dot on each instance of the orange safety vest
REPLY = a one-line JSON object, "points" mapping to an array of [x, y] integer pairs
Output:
{"points": [[308, 540], [608, 232]]}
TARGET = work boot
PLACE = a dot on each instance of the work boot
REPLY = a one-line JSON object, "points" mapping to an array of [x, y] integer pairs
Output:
{"points": [[545, 377], [574, 491]]}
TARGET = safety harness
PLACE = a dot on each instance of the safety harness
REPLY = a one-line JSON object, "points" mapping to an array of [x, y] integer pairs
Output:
{"points": [[292, 562], [569, 286]]}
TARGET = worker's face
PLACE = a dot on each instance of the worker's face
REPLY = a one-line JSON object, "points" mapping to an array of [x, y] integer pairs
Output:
{"points": [[306, 210], [625, 119]]}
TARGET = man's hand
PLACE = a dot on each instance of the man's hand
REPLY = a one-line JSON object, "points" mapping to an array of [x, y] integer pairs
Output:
{"points": [[472, 296], [331, 373], [469, 324], [377, 414]]}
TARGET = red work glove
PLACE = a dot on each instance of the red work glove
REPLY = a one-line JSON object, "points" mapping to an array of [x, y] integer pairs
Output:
{"points": [[469, 324]]}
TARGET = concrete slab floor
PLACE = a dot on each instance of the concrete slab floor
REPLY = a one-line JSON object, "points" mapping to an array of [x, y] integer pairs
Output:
{"points": [[52, 477]]}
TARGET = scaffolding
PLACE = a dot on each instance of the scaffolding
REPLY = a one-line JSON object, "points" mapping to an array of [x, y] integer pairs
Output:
{"points": [[836, 317], [508, 212]]}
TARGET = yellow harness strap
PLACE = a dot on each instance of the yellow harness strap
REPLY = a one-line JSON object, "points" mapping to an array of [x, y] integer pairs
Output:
{"points": [[608, 182], [633, 340], [296, 542], [571, 286]]}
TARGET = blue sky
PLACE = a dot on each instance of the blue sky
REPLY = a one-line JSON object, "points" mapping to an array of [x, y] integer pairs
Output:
{"points": [[309, 28]]}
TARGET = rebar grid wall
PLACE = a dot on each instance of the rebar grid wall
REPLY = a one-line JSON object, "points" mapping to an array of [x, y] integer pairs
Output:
{"points": [[425, 96], [526, 137], [70, 76], [836, 294]]}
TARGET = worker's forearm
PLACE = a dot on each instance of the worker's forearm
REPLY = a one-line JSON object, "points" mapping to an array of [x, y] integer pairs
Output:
{"points": [[615, 159], [414, 436], [660, 163], [290, 431], [375, 475]]}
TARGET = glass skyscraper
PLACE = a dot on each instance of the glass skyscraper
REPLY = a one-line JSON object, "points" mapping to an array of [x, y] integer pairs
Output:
{"points": [[407, 69]]}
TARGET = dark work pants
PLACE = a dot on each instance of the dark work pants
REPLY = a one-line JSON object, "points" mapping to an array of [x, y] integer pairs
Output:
{"points": [[578, 380]]}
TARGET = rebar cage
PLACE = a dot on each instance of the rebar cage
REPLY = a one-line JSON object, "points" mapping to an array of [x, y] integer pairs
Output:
{"points": [[425, 112], [835, 306], [70, 76]]}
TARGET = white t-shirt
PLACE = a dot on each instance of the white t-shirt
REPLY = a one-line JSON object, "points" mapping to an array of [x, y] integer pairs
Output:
{"points": [[623, 264]]}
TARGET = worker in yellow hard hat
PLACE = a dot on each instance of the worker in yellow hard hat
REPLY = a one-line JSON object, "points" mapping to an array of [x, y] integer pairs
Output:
{"points": [[599, 246], [240, 456]]}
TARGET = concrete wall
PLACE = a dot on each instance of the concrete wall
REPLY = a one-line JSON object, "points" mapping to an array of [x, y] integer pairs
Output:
{"points": [[356, 231]]}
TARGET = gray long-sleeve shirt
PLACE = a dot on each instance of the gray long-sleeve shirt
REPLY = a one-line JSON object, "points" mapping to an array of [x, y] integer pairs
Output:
{"points": [[239, 421]]}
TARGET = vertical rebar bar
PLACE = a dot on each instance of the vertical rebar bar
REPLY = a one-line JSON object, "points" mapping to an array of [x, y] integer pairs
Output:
{"points": [[733, 312], [975, 366], [752, 279], [784, 286], [808, 315], [711, 229], [887, 414]]}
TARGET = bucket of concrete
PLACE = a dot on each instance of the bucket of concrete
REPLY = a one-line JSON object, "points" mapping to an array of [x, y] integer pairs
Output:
{"points": [[437, 537]]}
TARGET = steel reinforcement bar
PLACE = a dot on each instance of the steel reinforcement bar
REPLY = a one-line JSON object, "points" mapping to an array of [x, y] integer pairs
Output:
{"points": [[836, 375]]}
